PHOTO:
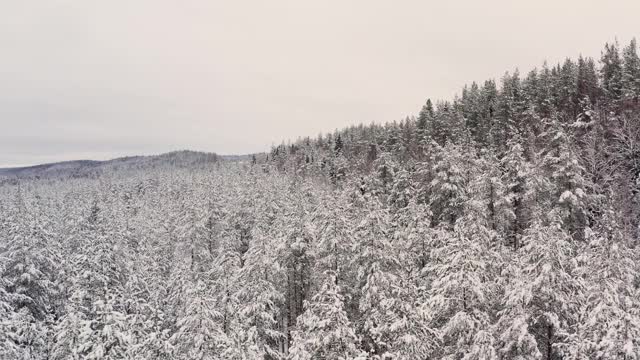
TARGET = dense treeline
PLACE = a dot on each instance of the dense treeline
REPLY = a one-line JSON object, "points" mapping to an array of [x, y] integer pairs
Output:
{"points": [[546, 164], [575, 125], [501, 225]]}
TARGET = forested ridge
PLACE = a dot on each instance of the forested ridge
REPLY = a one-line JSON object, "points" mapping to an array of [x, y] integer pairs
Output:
{"points": [[501, 225]]}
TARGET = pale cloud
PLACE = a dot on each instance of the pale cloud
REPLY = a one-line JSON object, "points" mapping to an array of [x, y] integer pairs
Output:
{"points": [[109, 78]]}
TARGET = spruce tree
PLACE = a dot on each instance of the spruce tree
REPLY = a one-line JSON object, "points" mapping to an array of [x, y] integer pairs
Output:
{"points": [[631, 72]]}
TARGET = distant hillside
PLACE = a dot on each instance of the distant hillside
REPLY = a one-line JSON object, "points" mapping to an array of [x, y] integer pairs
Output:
{"points": [[82, 168], [52, 167]]}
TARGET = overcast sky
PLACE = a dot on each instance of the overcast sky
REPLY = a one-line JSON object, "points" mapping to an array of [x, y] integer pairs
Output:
{"points": [[100, 79]]}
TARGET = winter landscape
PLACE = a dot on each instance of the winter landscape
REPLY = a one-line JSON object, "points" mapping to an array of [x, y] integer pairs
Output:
{"points": [[502, 223]]}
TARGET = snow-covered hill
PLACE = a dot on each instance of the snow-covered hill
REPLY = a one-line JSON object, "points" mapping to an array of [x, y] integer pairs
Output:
{"points": [[83, 168]]}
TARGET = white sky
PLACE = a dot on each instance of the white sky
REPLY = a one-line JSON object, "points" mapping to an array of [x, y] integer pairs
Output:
{"points": [[99, 79]]}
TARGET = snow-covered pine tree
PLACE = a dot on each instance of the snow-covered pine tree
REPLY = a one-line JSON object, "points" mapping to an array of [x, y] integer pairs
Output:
{"points": [[516, 171], [28, 261], [542, 294], [447, 188], [608, 326], [199, 334], [566, 175], [324, 330], [260, 298], [381, 309], [631, 72], [462, 295]]}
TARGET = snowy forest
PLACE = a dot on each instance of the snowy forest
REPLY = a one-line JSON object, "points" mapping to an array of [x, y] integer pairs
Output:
{"points": [[502, 224]]}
